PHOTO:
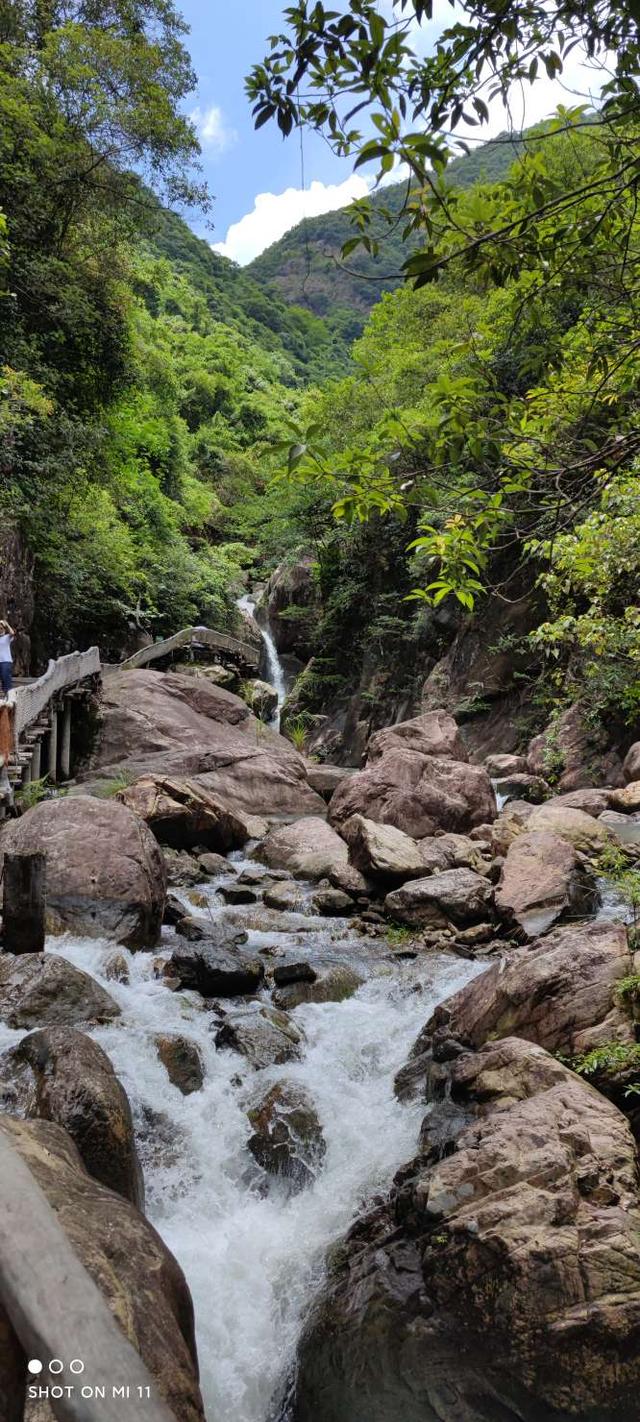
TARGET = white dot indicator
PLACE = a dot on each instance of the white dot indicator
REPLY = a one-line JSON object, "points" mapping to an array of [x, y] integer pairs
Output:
{"points": [[76, 1365], [34, 1365]]}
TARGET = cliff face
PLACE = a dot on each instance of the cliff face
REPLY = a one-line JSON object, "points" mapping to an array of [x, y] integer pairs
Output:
{"points": [[16, 593]]}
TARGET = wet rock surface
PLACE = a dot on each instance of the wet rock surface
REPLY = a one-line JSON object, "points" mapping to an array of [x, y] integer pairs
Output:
{"points": [[262, 1034], [215, 970], [182, 813], [43, 990], [183, 1062], [287, 1139], [63, 1076], [517, 1223]]}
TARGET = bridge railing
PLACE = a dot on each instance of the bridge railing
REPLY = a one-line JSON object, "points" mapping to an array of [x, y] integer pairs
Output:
{"points": [[28, 702], [205, 636]]}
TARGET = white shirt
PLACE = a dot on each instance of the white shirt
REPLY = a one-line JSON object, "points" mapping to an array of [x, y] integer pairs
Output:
{"points": [[5, 648]]}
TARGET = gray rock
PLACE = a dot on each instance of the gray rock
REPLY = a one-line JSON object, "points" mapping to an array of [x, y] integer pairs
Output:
{"points": [[308, 848], [265, 1036], [457, 895], [287, 897], [43, 990], [238, 894], [215, 971], [332, 903], [287, 973], [215, 864]]}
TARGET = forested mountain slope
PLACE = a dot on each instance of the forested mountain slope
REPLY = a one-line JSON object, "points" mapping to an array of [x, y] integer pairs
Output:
{"points": [[306, 266]]}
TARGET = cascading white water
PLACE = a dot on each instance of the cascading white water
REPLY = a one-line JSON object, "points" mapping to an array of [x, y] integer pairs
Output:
{"points": [[275, 672], [252, 1260]]}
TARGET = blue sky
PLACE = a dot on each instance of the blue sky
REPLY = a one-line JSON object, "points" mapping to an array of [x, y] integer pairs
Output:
{"points": [[227, 37], [256, 177]]}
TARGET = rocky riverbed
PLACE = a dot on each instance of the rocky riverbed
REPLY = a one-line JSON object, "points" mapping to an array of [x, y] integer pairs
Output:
{"points": [[328, 1051]]}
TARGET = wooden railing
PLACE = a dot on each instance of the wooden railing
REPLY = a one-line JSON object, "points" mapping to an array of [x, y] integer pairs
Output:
{"points": [[194, 637]]}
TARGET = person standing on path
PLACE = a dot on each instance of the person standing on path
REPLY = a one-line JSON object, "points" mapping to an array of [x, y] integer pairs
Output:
{"points": [[6, 660]]}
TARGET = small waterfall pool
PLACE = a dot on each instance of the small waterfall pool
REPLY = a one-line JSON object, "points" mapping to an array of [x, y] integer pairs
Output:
{"points": [[275, 672], [253, 1259]]}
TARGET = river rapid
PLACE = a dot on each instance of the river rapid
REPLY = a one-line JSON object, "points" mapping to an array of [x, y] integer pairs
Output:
{"points": [[253, 1259]]}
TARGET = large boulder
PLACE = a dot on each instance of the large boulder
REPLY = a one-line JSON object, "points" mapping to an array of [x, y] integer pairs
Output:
{"points": [[326, 778], [417, 793], [576, 751], [459, 896], [502, 1277], [182, 813], [139, 1278], [560, 992], [382, 851], [261, 1034], [105, 875], [168, 724], [43, 990], [287, 1139], [542, 880], [262, 697], [631, 766], [63, 1076], [432, 733], [576, 826], [308, 848]]}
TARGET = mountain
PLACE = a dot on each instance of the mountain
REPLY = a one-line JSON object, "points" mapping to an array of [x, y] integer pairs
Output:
{"points": [[305, 267], [237, 297]]}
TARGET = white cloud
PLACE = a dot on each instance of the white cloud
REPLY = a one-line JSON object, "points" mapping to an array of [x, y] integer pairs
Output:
{"points": [[275, 213], [212, 130]]}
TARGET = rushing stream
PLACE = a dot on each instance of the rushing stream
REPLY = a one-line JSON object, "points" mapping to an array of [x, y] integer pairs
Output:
{"points": [[252, 1259]]}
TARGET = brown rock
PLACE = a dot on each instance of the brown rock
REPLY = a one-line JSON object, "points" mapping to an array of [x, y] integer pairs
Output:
{"points": [[559, 992], [287, 1140], [140, 1280], [43, 990], [182, 868], [184, 727], [593, 802], [432, 733], [308, 848], [418, 794], [183, 1062], [326, 778], [215, 864], [182, 813], [503, 1273], [498, 766], [105, 873], [286, 897], [578, 828], [63, 1076], [457, 895], [287, 973], [631, 767], [627, 800], [382, 851], [575, 751], [541, 880], [351, 881], [509, 824]]}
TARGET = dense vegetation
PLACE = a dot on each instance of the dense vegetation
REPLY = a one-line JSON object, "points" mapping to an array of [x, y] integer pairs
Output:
{"points": [[495, 410], [140, 374]]}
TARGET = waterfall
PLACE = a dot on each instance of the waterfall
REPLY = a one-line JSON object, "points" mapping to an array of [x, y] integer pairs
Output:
{"points": [[275, 672], [253, 1259]]}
